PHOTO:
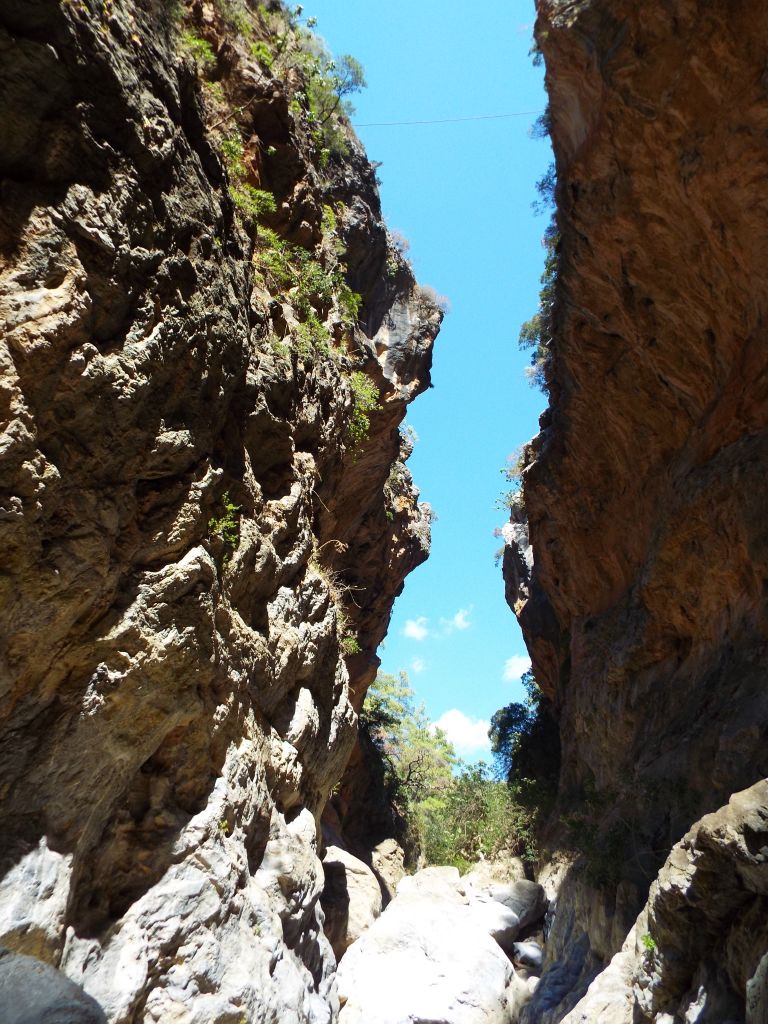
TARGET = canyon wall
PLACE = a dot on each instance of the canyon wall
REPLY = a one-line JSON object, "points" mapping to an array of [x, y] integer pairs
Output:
{"points": [[639, 578], [210, 345]]}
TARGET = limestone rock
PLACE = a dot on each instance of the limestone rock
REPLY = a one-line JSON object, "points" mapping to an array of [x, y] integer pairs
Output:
{"points": [[527, 900], [528, 954], [698, 949], [388, 862], [501, 871], [501, 923], [351, 898], [426, 960], [183, 521]]}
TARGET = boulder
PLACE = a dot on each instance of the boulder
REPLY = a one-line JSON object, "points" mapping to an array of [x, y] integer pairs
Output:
{"points": [[486, 873], [528, 954], [426, 960], [32, 992], [525, 899], [388, 862], [351, 898], [519, 993], [501, 923]]}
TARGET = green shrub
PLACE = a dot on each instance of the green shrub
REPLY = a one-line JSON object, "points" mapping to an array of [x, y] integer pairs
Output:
{"points": [[350, 644], [261, 51], [454, 818], [253, 202], [199, 49], [365, 400], [536, 333], [234, 156], [525, 739], [227, 525], [649, 943], [313, 336]]}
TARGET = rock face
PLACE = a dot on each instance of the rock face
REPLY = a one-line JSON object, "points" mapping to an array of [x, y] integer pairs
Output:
{"points": [[642, 596], [186, 510], [716, 880]]}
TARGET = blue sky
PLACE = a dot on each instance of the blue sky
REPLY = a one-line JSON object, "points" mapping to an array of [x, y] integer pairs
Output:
{"points": [[461, 193]]}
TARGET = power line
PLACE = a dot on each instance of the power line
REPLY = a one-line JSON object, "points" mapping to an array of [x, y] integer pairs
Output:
{"points": [[448, 120]]}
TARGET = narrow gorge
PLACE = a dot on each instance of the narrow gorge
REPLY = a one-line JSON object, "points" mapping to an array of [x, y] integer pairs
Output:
{"points": [[211, 339]]}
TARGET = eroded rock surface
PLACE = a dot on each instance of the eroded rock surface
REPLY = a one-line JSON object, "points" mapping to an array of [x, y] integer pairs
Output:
{"points": [[184, 516], [639, 576], [712, 970]]}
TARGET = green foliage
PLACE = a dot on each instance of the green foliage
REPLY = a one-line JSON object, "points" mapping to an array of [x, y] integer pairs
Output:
{"points": [[252, 202], [312, 336], [227, 525], [536, 333], [545, 187], [525, 740], [200, 49], [263, 54], [216, 91], [237, 16], [649, 943], [365, 400], [542, 127], [513, 474], [453, 817], [535, 53], [477, 816], [234, 156], [329, 83], [418, 760], [349, 304], [350, 644]]}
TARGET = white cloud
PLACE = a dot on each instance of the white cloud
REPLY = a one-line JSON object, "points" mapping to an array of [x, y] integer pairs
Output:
{"points": [[468, 735], [416, 629], [459, 621], [516, 666], [418, 665]]}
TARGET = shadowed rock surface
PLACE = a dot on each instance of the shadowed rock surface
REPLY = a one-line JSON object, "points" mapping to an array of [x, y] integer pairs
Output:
{"points": [[32, 992]]}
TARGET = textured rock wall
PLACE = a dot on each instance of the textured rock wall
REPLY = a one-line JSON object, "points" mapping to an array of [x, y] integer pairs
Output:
{"points": [[643, 594], [175, 704]]}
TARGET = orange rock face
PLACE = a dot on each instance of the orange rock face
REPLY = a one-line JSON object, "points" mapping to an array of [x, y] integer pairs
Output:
{"points": [[645, 609]]}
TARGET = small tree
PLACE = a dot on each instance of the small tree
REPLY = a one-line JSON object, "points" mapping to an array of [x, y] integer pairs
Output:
{"points": [[525, 740]]}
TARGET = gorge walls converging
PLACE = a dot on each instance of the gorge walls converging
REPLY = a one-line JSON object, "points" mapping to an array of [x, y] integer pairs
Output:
{"points": [[210, 343]]}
